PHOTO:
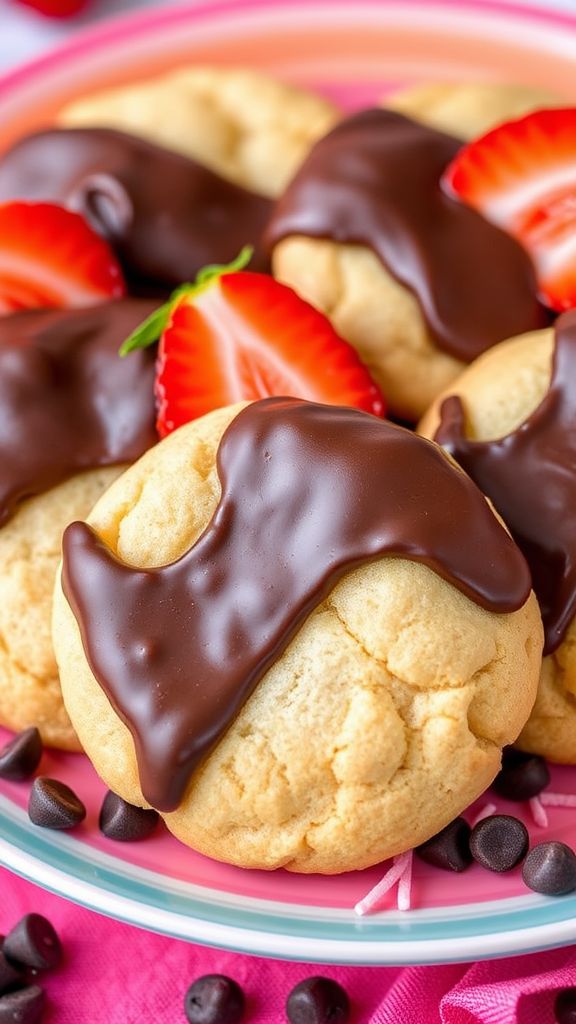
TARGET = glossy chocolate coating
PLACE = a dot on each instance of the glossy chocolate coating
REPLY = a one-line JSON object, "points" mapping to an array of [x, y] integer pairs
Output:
{"points": [[68, 402], [309, 492], [530, 475], [165, 215], [374, 180]]}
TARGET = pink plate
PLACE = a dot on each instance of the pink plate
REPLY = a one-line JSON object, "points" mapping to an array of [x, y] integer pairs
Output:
{"points": [[352, 52]]}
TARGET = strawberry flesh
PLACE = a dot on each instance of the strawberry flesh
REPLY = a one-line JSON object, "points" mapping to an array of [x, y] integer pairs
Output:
{"points": [[246, 336]]}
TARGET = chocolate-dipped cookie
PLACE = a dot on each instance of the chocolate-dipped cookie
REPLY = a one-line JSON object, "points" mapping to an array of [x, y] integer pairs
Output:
{"points": [[510, 420], [72, 415], [416, 280], [285, 568]]}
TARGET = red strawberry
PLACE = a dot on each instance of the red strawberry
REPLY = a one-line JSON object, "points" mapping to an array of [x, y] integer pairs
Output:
{"points": [[49, 257], [522, 177], [55, 8], [240, 335]]}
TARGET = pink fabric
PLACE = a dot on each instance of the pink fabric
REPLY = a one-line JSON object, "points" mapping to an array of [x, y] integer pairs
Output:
{"points": [[116, 974]]}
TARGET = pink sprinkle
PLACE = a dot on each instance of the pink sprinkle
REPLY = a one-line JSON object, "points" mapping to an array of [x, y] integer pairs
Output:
{"points": [[538, 811], [558, 799], [485, 812], [370, 902], [405, 885]]}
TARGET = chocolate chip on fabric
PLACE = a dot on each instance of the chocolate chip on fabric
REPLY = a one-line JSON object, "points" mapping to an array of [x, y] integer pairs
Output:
{"points": [[318, 1000], [124, 822], [214, 999], [22, 1007], [52, 804], [499, 842], [450, 848], [565, 1006], [33, 942], [10, 976], [550, 868], [20, 757], [522, 776]]}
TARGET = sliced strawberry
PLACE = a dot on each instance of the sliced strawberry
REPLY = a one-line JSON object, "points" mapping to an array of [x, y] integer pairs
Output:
{"points": [[55, 8], [522, 177], [240, 335], [50, 257]]}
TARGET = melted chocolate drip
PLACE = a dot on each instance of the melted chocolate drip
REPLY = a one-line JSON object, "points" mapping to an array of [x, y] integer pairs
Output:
{"points": [[374, 180], [165, 215], [530, 475], [308, 493], [67, 401]]}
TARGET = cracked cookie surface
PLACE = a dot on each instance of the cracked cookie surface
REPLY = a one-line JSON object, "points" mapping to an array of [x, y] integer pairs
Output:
{"points": [[499, 392], [242, 124], [382, 720], [30, 545]]}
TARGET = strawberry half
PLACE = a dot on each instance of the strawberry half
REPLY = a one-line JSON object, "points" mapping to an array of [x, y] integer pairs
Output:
{"points": [[238, 335], [522, 177], [50, 257]]}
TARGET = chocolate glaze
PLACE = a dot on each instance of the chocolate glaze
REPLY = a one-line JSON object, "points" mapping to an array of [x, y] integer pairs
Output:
{"points": [[308, 493], [530, 475], [67, 401], [165, 215], [374, 180]]}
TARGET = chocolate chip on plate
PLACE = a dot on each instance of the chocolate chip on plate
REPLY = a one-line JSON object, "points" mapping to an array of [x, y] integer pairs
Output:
{"points": [[565, 1006], [10, 976], [52, 804], [34, 943], [450, 848], [522, 776], [318, 1000], [20, 757], [214, 999], [499, 842], [124, 822], [22, 1007], [550, 868]]}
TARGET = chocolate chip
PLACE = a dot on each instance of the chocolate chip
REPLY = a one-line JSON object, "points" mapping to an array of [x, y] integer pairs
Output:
{"points": [[550, 868], [20, 757], [52, 804], [318, 1001], [565, 1006], [522, 776], [22, 1007], [499, 842], [214, 999], [122, 821], [450, 848], [10, 976], [33, 943]]}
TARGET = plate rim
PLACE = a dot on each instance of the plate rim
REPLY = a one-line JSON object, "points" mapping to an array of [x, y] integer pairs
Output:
{"points": [[17, 848]]}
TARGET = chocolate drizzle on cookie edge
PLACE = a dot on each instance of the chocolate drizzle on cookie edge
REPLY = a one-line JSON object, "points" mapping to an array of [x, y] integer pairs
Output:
{"points": [[530, 475], [68, 403], [374, 180], [309, 492], [166, 215]]}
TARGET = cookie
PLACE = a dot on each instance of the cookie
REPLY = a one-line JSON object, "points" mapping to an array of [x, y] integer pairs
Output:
{"points": [[72, 415], [418, 282], [511, 430], [468, 109], [242, 124], [405, 686]]}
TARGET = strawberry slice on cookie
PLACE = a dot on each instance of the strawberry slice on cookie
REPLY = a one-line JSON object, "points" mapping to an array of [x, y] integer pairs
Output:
{"points": [[522, 177], [51, 258], [235, 335]]}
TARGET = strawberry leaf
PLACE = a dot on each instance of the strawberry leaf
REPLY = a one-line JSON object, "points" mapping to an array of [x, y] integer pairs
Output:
{"points": [[155, 325]]}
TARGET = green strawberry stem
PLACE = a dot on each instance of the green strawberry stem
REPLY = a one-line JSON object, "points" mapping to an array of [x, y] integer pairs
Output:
{"points": [[150, 330]]}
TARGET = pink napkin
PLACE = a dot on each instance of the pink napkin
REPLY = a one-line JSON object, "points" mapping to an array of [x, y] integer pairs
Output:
{"points": [[116, 974]]}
